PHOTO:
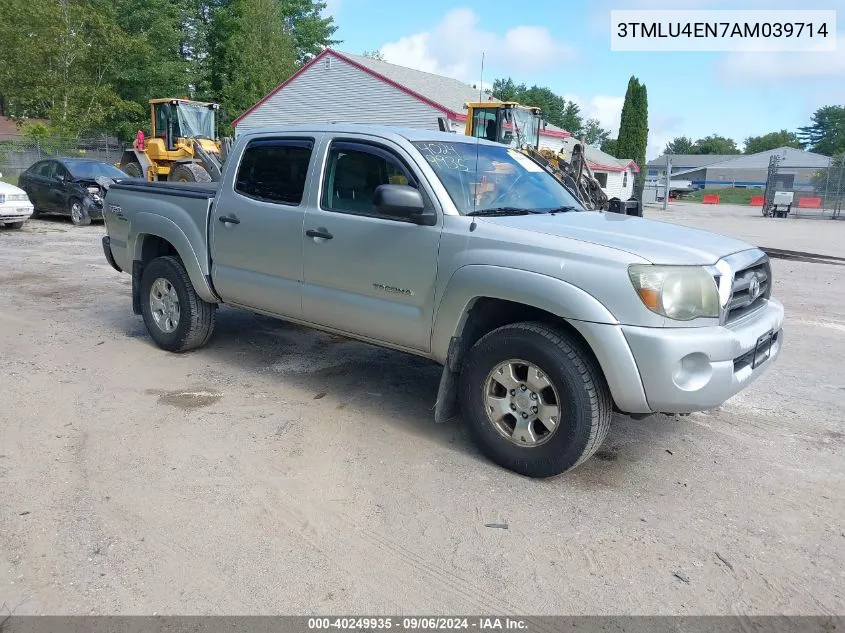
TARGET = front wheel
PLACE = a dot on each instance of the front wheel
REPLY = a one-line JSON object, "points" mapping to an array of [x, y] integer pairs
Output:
{"points": [[176, 317], [78, 215], [536, 402]]}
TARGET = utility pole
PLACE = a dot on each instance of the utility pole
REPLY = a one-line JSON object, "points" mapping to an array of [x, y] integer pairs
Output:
{"points": [[666, 184]]}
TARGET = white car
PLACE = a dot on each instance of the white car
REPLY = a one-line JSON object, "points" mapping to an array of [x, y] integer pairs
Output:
{"points": [[15, 207]]}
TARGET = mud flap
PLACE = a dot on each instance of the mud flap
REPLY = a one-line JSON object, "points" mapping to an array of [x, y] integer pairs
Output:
{"points": [[136, 286], [446, 406]]}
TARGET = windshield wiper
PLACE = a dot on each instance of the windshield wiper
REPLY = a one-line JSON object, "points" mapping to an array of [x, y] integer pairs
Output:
{"points": [[501, 211], [561, 209]]}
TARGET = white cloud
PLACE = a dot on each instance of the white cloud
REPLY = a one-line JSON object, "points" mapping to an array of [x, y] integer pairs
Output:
{"points": [[455, 45], [771, 66], [605, 109]]}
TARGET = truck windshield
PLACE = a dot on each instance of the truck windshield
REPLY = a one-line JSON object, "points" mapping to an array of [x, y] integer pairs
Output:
{"points": [[487, 177]]}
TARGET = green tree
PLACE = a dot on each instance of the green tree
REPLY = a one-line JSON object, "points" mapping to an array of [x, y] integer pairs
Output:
{"points": [[633, 129], [772, 140], [609, 146], [681, 145], [58, 60], [715, 144], [311, 31], [593, 133], [259, 54], [507, 90], [826, 134]]}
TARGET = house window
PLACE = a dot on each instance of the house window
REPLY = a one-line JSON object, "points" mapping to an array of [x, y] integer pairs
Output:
{"points": [[625, 178], [602, 178]]}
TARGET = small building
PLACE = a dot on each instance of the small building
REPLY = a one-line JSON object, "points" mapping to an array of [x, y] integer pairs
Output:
{"points": [[337, 86], [712, 171]]}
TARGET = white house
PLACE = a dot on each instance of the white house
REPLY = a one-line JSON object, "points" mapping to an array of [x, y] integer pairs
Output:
{"points": [[337, 86]]}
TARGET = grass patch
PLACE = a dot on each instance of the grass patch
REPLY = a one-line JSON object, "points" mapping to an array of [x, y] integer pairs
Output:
{"points": [[728, 195], [12, 179]]}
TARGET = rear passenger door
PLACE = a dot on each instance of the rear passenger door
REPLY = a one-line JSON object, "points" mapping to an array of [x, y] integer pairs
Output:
{"points": [[367, 274], [256, 226]]}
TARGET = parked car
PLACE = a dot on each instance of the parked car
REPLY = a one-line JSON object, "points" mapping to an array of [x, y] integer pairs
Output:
{"points": [[546, 317], [15, 207], [70, 186]]}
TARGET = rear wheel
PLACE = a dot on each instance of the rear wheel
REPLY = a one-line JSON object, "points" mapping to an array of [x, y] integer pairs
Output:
{"points": [[77, 213], [175, 316], [133, 170], [536, 402], [189, 172]]}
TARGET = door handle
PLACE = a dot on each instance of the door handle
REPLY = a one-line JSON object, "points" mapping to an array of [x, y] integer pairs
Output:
{"points": [[229, 219], [323, 234]]}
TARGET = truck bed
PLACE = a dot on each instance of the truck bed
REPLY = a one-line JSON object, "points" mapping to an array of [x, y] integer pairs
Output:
{"points": [[186, 190]]}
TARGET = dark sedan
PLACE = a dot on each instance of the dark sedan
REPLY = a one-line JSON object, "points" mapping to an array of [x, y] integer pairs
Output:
{"points": [[69, 186]]}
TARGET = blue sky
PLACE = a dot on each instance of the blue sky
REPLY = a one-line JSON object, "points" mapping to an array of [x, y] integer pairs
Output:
{"points": [[565, 45]]}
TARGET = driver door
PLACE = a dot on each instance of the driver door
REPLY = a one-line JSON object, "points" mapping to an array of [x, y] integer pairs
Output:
{"points": [[364, 273]]}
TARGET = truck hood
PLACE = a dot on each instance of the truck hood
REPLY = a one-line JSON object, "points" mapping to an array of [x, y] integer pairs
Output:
{"points": [[657, 242], [7, 189]]}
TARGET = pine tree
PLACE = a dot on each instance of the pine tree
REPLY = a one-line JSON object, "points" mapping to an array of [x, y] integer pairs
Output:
{"points": [[259, 55], [633, 129]]}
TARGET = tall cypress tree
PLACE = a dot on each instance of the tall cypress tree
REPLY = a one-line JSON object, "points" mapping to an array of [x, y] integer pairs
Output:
{"points": [[633, 129]]}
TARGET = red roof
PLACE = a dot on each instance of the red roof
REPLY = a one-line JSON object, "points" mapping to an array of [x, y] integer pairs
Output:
{"points": [[447, 111], [600, 167]]}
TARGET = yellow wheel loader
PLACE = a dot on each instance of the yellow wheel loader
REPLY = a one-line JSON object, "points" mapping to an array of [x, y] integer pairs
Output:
{"points": [[183, 146], [518, 126]]}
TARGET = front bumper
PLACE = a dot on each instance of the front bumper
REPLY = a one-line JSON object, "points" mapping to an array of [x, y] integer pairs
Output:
{"points": [[15, 212], [694, 369]]}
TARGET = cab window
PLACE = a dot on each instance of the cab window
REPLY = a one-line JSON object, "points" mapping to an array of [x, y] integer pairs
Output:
{"points": [[354, 171], [275, 170]]}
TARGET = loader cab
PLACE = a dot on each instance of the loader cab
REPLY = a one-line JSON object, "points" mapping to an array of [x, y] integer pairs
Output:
{"points": [[509, 123], [173, 119]]}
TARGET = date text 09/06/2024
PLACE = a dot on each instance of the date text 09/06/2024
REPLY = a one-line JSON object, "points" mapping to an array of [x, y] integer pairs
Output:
{"points": [[417, 623]]}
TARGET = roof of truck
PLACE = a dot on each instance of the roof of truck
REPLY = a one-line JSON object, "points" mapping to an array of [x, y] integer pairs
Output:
{"points": [[410, 134]]}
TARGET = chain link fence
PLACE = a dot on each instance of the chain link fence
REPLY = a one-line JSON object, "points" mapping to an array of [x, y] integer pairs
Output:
{"points": [[18, 153], [818, 192]]}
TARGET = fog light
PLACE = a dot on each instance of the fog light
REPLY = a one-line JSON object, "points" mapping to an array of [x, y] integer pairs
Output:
{"points": [[692, 372]]}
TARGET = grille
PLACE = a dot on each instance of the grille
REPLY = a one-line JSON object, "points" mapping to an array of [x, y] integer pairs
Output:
{"points": [[745, 298], [16, 197]]}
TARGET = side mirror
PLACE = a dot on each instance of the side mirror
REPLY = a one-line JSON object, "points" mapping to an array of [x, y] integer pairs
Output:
{"points": [[404, 202]]}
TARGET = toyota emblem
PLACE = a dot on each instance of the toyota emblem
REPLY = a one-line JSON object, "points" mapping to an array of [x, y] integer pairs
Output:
{"points": [[754, 287]]}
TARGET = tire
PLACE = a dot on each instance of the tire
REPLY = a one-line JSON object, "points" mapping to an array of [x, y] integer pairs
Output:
{"points": [[194, 324], [77, 212], [189, 172], [584, 404], [14, 225], [133, 170]]}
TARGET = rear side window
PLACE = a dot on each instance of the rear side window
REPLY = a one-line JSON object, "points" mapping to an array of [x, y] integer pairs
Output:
{"points": [[274, 170], [43, 169]]}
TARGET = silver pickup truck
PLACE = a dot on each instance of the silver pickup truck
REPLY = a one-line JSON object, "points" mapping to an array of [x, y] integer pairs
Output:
{"points": [[545, 317]]}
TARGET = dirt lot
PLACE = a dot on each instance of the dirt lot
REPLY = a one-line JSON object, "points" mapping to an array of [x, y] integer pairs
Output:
{"points": [[285, 471]]}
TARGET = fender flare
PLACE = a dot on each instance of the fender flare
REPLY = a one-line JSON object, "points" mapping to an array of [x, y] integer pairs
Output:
{"points": [[475, 281], [159, 226]]}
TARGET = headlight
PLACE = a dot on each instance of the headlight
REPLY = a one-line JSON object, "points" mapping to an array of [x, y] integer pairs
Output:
{"points": [[681, 293]]}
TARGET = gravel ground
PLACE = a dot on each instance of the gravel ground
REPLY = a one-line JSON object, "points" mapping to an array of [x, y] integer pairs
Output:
{"points": [[283, 471]]}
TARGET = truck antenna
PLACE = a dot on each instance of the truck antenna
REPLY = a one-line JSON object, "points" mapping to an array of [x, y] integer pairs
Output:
{"points": [[477, 142]]}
